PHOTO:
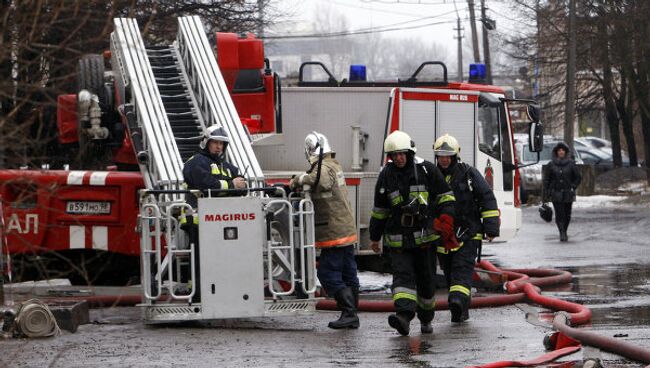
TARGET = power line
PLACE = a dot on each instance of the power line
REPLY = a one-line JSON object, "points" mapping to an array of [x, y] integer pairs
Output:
{"points": [[357, 32], [405, 2], [370, 9]]}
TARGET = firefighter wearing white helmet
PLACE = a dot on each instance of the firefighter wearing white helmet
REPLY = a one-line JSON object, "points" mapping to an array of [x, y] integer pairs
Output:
{"points": [[477, 216], [410, 193], [208, 168], [335, 228]]}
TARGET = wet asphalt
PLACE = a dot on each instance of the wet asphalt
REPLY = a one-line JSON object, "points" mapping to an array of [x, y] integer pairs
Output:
{"points": [[607, 254]]}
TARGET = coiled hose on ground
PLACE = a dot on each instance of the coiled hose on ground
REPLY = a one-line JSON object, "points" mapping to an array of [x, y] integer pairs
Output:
{"points": [[522, 286]]}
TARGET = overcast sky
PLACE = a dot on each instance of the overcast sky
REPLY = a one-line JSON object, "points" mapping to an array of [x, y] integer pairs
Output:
{"points": [[395, 18]]}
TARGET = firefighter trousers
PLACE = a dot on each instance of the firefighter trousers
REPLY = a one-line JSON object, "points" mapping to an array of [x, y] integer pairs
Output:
{"points": [[458, 267], [337, 269], [414, 270]]}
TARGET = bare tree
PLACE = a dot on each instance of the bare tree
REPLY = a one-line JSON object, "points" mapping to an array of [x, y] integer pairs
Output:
{"points": [[41, 43]]}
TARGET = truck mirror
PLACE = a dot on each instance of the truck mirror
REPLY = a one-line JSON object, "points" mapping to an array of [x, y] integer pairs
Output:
{"points": [[533, 113], [507, 167], [535, 137]]}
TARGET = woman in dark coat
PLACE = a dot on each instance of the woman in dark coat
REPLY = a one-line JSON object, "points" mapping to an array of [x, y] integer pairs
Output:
{"points": [[561, 178]]}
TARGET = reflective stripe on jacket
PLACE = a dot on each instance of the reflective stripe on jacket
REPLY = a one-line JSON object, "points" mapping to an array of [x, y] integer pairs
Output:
{"points": [[333, 219], [415, 196], [476, 206], [203, 172]]}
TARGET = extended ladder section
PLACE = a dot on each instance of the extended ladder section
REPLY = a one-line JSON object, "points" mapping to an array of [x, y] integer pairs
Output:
{"points": [[177, 92], [162, 168], [212, 95]]}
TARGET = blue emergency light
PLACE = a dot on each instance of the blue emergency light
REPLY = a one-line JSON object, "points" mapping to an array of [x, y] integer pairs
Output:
{"points": [[357, 73], [477, 73]]}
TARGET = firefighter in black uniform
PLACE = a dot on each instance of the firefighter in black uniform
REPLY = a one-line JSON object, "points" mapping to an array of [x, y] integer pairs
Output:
{"points": [[476, 215], [208, 169], [409, 194]]}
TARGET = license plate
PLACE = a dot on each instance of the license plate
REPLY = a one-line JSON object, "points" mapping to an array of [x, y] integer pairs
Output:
{"points": [[88, 208]]}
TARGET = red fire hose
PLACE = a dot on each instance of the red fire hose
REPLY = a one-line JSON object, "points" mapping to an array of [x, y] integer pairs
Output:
{"points": [[523, 286]]}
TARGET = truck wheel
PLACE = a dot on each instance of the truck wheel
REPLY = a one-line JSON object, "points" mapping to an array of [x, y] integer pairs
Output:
{"points": [[90, 74]]}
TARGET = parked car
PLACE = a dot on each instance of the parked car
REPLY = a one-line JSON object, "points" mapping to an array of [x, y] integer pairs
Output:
{"points": [[601, 160], [595, 142], [530, 177], [598, 152]]}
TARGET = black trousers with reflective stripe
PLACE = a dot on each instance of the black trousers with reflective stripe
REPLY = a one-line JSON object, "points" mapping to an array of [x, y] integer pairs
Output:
{"points": [[415, 269], [458, 267]]}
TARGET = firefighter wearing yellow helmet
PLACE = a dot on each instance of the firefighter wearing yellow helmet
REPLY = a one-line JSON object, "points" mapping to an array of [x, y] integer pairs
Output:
{"points": [[409, 194], [477, 216]]}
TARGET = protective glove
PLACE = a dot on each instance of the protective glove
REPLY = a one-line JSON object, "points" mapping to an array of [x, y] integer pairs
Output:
{"points": [[444, 225], [296, 182]]}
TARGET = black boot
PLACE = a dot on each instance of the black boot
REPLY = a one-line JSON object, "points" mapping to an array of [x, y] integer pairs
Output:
{"points": [[426, 328], [561, 228], [355, 293], [459, 312], [400, 322], [346, 303]]}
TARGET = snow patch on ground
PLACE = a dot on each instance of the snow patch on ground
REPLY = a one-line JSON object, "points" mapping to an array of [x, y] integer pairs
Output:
{"points": [[373, 281], [640, 187], [597, 201]]}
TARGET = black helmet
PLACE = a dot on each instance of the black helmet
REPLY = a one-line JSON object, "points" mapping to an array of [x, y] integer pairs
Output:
{"points": [[546, 212]]}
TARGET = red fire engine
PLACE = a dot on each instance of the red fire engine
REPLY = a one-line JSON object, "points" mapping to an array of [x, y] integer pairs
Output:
{"points": [[86, 219]]}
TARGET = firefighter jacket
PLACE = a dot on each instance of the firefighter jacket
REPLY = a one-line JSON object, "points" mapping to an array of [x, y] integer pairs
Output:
{"points": [[333, 219], [561, 177], [476, 207], [202, 172], [406, 202]]}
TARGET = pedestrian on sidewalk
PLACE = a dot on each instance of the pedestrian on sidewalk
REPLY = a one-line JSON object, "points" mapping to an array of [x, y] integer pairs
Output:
{"points": [[561, 179]]}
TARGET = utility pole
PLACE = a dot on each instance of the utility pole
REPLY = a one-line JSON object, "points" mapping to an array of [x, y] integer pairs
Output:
{"points": [[487, 26], [460, 49], [569, 110], [472, 22]]}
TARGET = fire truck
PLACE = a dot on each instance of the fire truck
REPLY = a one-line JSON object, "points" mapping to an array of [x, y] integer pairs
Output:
{"points": [[357, 115], [139, 121]]}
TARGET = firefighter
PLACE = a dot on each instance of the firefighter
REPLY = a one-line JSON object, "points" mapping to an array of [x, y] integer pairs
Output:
{"points": [[476, 215], [410, 196], [336, 232], [561, 179], [208, 168]]}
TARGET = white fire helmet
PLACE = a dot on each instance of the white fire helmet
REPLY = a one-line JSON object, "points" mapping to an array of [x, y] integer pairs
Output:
{"points": [[215, 133], [399, 141], [446, 146], [313, 144]]}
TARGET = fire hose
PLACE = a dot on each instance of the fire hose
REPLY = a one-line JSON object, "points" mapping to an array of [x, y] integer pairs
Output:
{"points": [[33, 319], [523, 286]]}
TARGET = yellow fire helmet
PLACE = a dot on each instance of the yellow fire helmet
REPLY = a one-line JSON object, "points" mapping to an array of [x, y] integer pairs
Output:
{"points": [[446, 146]]}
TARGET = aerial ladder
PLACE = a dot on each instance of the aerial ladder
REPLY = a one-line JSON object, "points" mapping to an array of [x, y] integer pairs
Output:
{"points": [[254, 254]]}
